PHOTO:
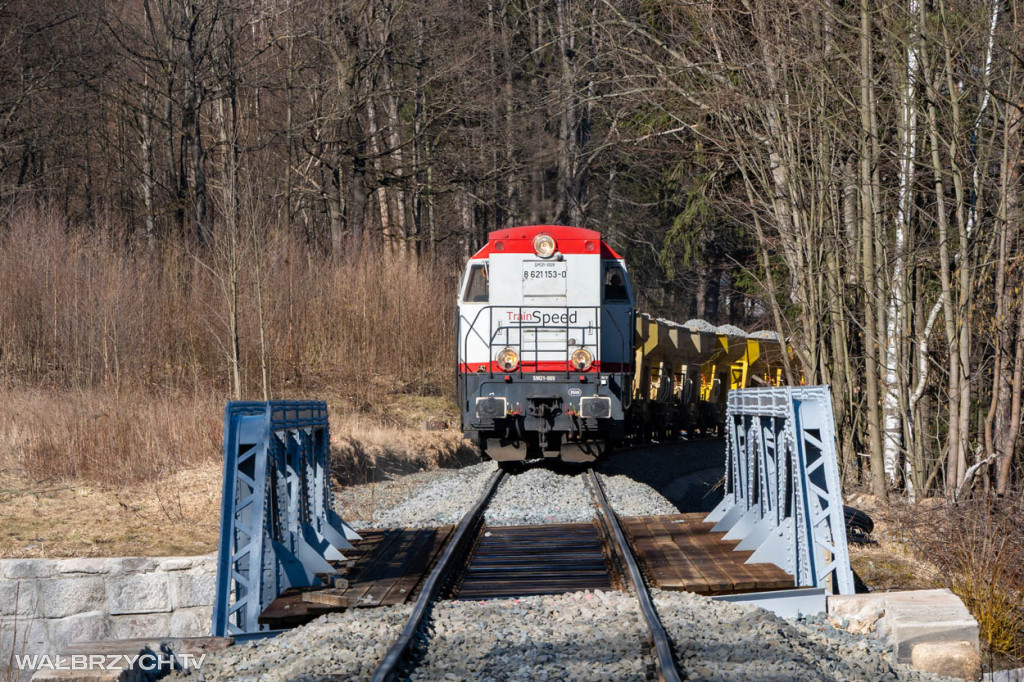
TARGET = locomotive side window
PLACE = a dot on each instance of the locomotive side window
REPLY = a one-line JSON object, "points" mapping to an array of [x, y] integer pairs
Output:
{"points": [[615, 284], [477, 289]]}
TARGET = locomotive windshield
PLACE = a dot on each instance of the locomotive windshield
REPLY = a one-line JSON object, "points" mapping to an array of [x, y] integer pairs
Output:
{"points": [[477, 289], [615, 284]]}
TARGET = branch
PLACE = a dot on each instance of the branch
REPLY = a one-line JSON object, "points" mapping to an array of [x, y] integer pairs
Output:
{"points": [[922, 353], [969, 474]]}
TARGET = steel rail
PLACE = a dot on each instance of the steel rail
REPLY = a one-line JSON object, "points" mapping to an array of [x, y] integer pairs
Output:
{"points": [[662, 644], [387, 670]]}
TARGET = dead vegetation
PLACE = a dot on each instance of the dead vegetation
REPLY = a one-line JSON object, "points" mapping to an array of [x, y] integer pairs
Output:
{"points": [[90, 309], [87, 473], [57, 436], [114, 372], [975, 548], [158, 508], [364, 454], [114, 362], [890, 563], [174, 514]]}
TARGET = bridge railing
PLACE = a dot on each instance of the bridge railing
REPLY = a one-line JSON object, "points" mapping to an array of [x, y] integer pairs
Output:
{"points": [[782, 497], [278, 526]]}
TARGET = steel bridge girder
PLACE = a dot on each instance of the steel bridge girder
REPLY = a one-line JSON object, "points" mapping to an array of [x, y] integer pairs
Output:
{"points": [[782, 497]]}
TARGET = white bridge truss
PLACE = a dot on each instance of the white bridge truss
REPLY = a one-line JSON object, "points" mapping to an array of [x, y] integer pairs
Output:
{"points": [[782, 498]]}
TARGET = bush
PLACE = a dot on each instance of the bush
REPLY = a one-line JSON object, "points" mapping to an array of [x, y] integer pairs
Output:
{"points": [[978, 546]]}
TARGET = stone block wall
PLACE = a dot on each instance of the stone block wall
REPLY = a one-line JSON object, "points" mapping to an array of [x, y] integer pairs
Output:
{"points": [[45, 604]]}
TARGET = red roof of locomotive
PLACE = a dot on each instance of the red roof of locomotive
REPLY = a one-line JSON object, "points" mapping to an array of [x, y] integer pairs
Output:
{"points": [[569, 240]]}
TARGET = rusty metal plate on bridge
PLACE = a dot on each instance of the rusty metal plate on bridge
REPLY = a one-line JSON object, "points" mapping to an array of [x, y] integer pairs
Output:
{"points": [[679, 552], [384, 568]]}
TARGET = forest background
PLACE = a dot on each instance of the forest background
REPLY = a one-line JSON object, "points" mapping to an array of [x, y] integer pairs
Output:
{"points": [[250, 198]]}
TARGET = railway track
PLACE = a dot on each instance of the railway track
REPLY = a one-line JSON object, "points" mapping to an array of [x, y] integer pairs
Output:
{"points": [[494, 562], [389, 667], [662, 644]]}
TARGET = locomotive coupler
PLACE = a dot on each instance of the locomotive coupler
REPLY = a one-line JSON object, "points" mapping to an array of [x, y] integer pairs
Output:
{"points": [[543, 409]]}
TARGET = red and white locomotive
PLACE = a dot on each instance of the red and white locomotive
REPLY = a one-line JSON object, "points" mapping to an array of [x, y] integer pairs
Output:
{"points": [[545, 333]]}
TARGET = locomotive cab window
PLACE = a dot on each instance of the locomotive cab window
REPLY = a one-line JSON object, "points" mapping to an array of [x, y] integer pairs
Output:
{"points": [[615, 284], [477, 289]]}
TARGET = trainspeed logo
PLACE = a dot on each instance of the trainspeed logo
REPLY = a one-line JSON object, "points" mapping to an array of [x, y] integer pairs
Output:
{"points": [[544, 319]]}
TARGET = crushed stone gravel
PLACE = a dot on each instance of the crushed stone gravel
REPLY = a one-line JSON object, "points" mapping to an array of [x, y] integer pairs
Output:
{"points": [[685, 473], [700, 325], [339, 646], [540, 495], [577, 636], [580, 636], [722, 641], [731, 330], [629, 497], [639, 482], [441, 499]]}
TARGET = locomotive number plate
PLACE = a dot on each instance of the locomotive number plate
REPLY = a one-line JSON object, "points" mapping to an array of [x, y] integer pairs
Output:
{"points": [[544, 278]]}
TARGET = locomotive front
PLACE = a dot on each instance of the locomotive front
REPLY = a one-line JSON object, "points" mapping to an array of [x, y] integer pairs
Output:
{"points": [[545, 332]]}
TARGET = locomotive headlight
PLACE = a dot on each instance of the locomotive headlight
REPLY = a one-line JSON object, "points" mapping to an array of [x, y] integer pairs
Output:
{"points": [[581, 359], [507, 359], [544, 245]]}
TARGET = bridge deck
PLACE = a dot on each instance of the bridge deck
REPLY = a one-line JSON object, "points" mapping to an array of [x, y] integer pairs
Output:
{"points": [[384, 568], [681, 553]]}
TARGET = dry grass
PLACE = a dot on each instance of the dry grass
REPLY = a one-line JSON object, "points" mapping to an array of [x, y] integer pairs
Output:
{"points": [[883, 569], [108, 439], [95, 473], [175, 514], [178, 512], [977, 547], [114, 371], [114, 363], [890, 563], [362, 453], [88, 473]]}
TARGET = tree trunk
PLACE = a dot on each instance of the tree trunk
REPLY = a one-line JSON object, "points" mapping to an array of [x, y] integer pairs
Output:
{"points": [[1009, 386], [953, 454], [894, 378], [375, 149], [193, 125], [149, 220], [871, 398]]}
